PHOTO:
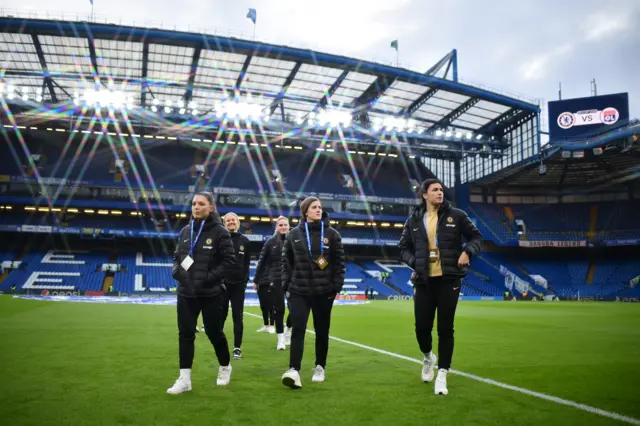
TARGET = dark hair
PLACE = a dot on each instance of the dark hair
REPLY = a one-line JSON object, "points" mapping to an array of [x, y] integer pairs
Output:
{"points": [[424, 187], [209, 196], [305, 204]]}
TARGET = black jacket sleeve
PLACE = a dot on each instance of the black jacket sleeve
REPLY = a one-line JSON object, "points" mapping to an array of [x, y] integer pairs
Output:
{"points": [[263, 261], [287, 262], [227, 255], [472, 235], [407, 251], [338, 262], [176, 258], [247, 260], [176, 261]]}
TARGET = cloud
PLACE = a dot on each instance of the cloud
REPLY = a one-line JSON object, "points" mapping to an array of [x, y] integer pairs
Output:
{"points": [[337, 26], [537, 67], [602, 25]]}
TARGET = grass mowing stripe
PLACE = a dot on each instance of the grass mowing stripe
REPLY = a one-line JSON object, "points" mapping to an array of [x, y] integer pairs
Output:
{"points": [[561, 401]]}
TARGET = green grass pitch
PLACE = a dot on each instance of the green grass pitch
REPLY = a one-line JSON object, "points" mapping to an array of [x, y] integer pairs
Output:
{"points": [[100, 364]]}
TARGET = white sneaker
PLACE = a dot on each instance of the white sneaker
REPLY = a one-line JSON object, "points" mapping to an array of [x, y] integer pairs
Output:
{"points": [[224, 375], [281, 346], [287, 336], [318, 374], [264, 329], [181, 385], [272, 330], [427, 367], [291, 378], [441, 383]]}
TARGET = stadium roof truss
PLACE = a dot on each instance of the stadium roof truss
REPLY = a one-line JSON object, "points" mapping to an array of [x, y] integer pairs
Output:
{"points": [[614, 165], [184, 78]]}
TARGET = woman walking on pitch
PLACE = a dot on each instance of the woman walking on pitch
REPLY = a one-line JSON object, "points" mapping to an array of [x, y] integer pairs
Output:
{"points": [[235, 281], [313, 268], [270, 263], [201, 258], [431, 244]]}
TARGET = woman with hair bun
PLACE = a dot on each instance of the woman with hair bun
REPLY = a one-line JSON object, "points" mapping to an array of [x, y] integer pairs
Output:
{"points": [[202, 256]]}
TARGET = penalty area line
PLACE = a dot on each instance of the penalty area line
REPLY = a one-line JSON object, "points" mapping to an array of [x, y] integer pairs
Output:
{"points": [[547, 397]]}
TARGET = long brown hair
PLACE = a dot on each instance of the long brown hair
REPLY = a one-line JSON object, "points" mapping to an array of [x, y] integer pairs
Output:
{"points": [[305, 204]]}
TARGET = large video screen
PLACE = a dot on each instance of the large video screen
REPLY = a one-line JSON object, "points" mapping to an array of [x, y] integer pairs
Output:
{"points": [[585, 117]]}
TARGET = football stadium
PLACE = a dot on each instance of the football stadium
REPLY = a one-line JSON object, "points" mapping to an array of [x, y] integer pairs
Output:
{"points": [[108, 132]]}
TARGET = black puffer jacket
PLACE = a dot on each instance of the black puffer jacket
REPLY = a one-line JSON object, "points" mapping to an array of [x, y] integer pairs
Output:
{"points": [[269, 269], [212, 255], [239, 272], [300, 274], [453, 224]]}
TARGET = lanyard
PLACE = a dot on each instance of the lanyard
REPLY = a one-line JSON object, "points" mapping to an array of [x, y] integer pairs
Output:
{"points": [[306, 228], [193, 243], [426, 215]]}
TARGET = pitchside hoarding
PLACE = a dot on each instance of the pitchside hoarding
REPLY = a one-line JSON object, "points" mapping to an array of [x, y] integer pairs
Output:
{"points": [[585, 117]]}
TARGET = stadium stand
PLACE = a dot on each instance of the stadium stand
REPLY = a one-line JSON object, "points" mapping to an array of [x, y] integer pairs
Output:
{"points": [[241, 169], [561, 222], [99, 182]]}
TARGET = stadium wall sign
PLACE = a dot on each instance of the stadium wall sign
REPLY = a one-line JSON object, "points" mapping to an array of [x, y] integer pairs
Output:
{"points": [[60, 293], [400, 297], [580, 118], [351, 297], [563, 244], [625, 242], [141, 233], [220, 190], [623, 299]]}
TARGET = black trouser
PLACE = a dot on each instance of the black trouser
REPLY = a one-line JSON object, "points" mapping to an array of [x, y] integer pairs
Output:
{"points": [[266, 304], [212, 309], [320, 306], [288, 321], [278, 308], [441, 294], [235, 295]]}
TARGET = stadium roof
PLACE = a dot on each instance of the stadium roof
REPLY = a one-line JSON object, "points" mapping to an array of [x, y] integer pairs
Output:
{"points": [[59, 61]]}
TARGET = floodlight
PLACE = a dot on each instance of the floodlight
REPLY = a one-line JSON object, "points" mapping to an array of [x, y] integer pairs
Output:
{"points": [[334, 117]]}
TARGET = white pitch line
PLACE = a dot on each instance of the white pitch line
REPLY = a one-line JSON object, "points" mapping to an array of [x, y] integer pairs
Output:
{"points": [[583, 407]]}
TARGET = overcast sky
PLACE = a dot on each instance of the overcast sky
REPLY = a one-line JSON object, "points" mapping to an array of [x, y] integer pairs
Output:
{"points": [[523, 47]]}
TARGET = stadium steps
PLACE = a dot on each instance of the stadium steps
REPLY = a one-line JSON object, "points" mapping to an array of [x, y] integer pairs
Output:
{"points": [[593, 222], [591, 273], [478, 274], [108, 281], [520, 268], [482, 292], [385, 282], [481, 219], [509, 213]]}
